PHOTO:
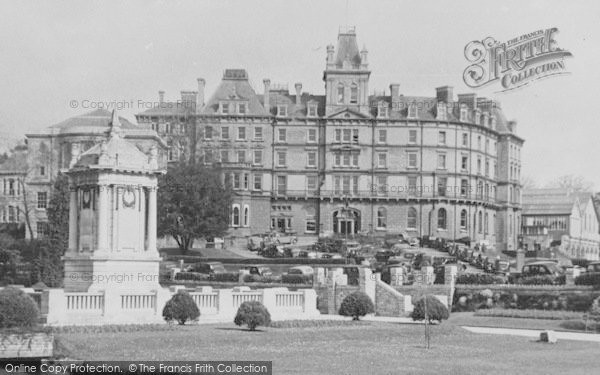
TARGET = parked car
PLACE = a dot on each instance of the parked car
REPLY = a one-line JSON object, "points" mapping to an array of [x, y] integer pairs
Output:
{"points": [[384, 255], [414, 242], [593, 267], [206, 267], [256, 242], [331, 256], [392, 239], [283, 238], [272, 251], [301, 270], [400, 247], [259, 270], [543, 268]]}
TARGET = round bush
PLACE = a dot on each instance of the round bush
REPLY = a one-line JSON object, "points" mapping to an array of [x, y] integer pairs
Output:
{"points": [[253, 314], [356, 305], [17, 309], [435, 309], [181, 308]]}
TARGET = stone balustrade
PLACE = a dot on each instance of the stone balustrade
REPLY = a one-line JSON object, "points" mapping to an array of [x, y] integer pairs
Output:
{"points": [[128, 307]]}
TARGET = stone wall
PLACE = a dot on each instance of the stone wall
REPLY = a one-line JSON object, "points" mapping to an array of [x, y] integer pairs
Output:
{"points": [[390, 302]]}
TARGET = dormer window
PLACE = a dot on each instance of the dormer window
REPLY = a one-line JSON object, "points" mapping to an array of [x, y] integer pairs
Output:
{"points": [[463, 113], [242, 108], [412, 110], [340, 94], [312, 110], [354, 94], [382, 110], [224, 108], [442, 114], [484, 119], [282, 110], [477, 116]]}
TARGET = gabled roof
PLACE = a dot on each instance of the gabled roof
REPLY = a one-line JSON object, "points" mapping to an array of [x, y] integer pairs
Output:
{"points": [[553, 201], [235, 86], [348, 113]]}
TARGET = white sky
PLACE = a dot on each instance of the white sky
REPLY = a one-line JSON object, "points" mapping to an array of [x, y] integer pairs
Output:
{"points": [[54, 52]]}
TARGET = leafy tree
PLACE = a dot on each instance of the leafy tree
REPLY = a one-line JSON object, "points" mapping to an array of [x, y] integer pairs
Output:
{"points": [[429, 308], [17, 309], [193, 203], [356, 305], [253, 314], [58, 212], [181, 308]]}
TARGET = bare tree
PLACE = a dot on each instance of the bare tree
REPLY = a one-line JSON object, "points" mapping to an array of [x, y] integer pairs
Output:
{"points": [[527, 182], [572, 182]]}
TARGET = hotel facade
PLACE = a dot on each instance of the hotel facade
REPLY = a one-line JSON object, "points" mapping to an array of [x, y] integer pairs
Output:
{"points": [[349, 161]]}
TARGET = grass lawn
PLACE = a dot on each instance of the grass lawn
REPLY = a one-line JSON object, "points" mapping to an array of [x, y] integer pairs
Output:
{"points": [[368, 348]]}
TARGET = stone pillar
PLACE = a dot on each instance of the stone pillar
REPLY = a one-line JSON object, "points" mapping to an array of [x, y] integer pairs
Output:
{"points": [[396, 276], [242, 274], [151, 219], [450, 273], [73, 209], [102, 228], [569, 277], [366, 282], [520, 259]]}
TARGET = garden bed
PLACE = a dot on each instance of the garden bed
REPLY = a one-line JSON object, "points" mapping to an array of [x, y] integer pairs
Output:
{"points": [[530, 314]]}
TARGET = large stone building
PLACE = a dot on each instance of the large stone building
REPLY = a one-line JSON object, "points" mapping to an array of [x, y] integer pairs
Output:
{"points": [[29, 174], [350, 161], [563, 220]]}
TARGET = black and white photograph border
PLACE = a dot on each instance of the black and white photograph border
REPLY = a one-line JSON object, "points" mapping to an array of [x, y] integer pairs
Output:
{"points": [[285, 187]]}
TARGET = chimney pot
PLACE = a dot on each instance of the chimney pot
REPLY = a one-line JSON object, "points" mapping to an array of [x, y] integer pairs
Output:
{"points": [[266, 94], [161, 96], [200, 95], [298, 87]]}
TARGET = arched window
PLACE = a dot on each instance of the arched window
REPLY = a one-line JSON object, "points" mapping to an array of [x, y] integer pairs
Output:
{"points": [[486, 224], [235, 216], [411, 221], [381, 218], [246, 215], [340, 93], [353, 94], [480, 222], [442, 224], [463, 219]]}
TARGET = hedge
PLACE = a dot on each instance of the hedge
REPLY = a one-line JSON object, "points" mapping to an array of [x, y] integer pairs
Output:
{"points": [[588, 279], [564, 300], [196, 276], [303, 261], [479, 279], [537, 280]]}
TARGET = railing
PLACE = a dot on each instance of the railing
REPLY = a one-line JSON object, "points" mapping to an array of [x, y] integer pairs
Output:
{"points": [[138, 302], [208, 303], [241, 297], [82, 302], [290, 301]]}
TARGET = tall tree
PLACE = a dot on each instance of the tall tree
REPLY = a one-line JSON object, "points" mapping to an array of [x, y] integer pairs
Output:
{"points": [[572, 182], [58, 212], [193, 203]]}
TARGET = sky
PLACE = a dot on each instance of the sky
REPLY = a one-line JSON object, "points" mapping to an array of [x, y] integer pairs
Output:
{"points": [[57, 57]]}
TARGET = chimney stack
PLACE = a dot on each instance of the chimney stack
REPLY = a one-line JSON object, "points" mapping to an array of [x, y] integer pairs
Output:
{"points": [[298, 87], [363, 58], [395, 92], [267, 94], [469, 99], [200, 95], [512, 126], [444, 94], [161, 96], [330, 50], [188, 99]]}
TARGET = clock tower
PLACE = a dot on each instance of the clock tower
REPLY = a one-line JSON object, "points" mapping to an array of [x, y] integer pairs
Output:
{"points": [[112, 217]]}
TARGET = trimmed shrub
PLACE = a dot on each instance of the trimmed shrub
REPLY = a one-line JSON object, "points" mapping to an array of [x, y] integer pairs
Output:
{"points": [[253, 314], [588, 279], [261, 279], [228, 276], [436, 311], [537, 280], [296, 279], [479, 279], [17, 309], [357, 304], [192, 276], [181, 308]]}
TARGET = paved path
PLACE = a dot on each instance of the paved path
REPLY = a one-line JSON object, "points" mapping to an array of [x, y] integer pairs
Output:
{"points": [[577, 336]]}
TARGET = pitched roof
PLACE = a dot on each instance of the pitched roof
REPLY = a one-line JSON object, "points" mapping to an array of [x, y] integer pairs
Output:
{"points": [[235, 86], [99, 118], [347, 50], [552, 201]]}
